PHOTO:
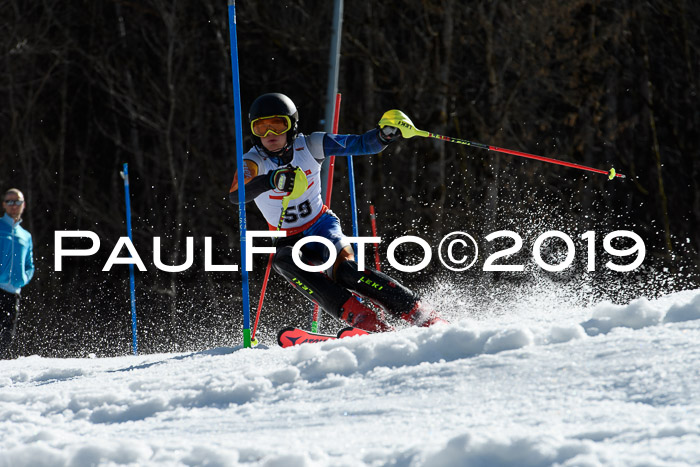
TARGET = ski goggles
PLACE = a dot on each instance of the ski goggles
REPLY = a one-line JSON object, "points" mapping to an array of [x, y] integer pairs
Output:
{"points": [[275, 124]]}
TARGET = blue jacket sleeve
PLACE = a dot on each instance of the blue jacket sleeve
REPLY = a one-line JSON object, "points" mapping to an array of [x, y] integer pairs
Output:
{"points": [[29, 263], [349, 145]]}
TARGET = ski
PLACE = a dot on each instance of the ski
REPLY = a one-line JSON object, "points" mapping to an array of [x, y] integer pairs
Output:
{"points": [[351, 331], [290, 336]]}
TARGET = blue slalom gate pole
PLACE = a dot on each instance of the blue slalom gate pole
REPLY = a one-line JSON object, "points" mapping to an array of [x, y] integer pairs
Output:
{"points": [[239, 167], [353, 202], [132, 286]]}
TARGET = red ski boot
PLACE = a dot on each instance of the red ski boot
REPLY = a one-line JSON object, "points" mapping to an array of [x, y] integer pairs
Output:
{"points": [[359, 316], [422, 316]]}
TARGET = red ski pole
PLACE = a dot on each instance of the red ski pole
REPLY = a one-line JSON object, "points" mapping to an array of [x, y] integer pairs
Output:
{"points": [[399, 120], [300, 185]]}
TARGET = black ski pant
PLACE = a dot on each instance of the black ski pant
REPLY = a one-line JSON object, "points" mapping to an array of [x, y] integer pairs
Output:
{"points": [[9, 312], [330, 295]]}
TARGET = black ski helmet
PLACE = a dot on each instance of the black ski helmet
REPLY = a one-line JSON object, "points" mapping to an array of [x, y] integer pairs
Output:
{"points": [[271, 104]]}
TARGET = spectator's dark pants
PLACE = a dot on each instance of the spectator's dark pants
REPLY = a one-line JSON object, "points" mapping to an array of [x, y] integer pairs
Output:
{"points": [[9, 311]]}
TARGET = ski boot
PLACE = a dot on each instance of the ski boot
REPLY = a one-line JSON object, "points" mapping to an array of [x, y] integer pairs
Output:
{"points": [[361, 317], [422, 316]]}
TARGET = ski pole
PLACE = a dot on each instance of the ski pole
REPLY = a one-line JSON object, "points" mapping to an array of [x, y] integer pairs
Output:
{"points": [[262, 298], [399, 120], [300, 185], [315, 317]]}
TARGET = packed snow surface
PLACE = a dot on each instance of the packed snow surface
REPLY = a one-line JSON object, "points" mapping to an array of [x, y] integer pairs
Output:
{"points": [[600, 385]]}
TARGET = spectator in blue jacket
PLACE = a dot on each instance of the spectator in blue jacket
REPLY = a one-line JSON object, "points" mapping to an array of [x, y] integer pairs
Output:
{"points": [[16, 265]]}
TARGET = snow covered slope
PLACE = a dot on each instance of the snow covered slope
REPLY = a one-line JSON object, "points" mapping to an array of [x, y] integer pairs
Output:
{"points": [[609, 385]]}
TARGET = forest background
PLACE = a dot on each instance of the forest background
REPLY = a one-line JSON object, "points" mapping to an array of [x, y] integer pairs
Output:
{"points": [[88, 85]]}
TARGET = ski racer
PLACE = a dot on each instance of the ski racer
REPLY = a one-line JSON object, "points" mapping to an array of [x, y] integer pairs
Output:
{"points": [[278, 149]]}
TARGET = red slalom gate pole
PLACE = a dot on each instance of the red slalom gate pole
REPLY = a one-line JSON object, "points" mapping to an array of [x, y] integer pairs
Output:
{"points": [[373, 220], [327, 197], [331, 162]]}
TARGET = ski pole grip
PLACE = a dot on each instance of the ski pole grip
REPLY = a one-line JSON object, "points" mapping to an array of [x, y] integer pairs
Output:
{"points": [[301, 183], [400, 120]]}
